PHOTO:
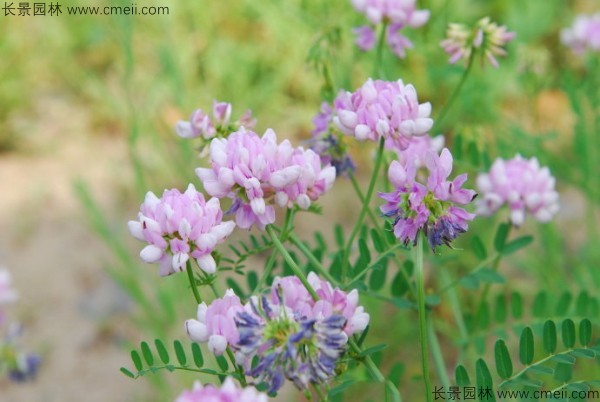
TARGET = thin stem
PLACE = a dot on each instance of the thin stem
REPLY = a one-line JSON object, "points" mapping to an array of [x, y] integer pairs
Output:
{"points": [[378, 66], [238, 368], [190, 274], [361, 197], [438, 357], [454, 95], [418, 260], [311, 258], [268, 269], [363, 211], [288, 258], [455, 306]]}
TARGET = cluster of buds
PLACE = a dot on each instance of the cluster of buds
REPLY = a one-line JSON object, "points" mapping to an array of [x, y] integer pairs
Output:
{"points": [[229, 392], [583, 35], [485, 37], [201, 125], [257, 172], [288, 333]]}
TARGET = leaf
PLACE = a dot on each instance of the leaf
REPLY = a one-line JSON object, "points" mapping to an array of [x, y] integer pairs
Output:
{"points": [[338, 233], [564, 359], [147, 353], [395, 374], [378, 241], [539, 304], [503, 361], [583, 301], [197, 355], [563, 372], [364, 256], [500, 237], [399, 284], [234, 285], [469, 282], [180, 353], [162, 351], [585, 332], [137, 360], [478, 248], [563, 304], [461, 375], [537, 369], [585, 353], [341, 388], [222, 362], [484, 378], [127, 372], [568, 333], [549, 336], [372, 349], [377, 279], [516, 245], [526, 347], [252, 280], [489, 275], [517, 305], [500, 312]]}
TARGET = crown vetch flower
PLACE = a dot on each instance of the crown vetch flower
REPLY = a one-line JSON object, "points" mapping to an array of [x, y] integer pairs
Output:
{"points": [[178, 226], [229, 392], [521, 184], [257, 172], [429, 207], [486, 36], [583, 35], [393, 11], [383, 109], [201, 125], [418, 148], [7, 293]]}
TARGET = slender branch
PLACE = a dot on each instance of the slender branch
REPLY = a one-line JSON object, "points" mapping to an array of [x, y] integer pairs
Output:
{"points": [[368, 362], [418, 260], [192, 280], [438, 357], [378, 66], [363, 211], [361, 197], [311, 258]]}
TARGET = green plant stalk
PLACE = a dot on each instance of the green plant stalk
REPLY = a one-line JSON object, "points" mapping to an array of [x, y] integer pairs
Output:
{"points": [[368, 362], [311, 258], [295, 268], [418, 260], [361, 197], [378, 66], [190, 275], [455, 306], [454, 95], [495, 264], [363, 211], [438, 357]]}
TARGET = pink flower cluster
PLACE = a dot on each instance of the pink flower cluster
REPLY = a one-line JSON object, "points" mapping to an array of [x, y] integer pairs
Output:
{"points": [[487, 36], [398, 13], [257, 171], [383, 109], [201, 125], [521, 184], [216, 323], [418, 148], [429, 208], [179, 226], [584, 34], [229, 392]]}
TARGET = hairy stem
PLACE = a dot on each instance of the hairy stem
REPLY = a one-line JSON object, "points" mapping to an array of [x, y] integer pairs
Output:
{"points": [[418, 260]]}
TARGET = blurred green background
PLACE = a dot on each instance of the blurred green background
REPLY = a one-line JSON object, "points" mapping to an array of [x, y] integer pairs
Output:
{"points": [[87, 110]]}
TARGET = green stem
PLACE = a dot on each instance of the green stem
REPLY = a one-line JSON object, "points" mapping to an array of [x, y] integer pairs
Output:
{"points": [[454, 95], [438, 357], [418, 260], [288, 258], [268, 269], [363, 211], [311, 258], [455, 306], [361, 197], [190, 274], [378, 66]]}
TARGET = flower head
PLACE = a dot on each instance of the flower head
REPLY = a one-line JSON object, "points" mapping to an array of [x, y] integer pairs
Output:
{"points": [[398, 14], [521, 184], [418, 148], [583, 35], [429, 208], [486, 37], [257, 172], [229, 392], [383, 109], [178, 226], [7, 293], [201, 124]]}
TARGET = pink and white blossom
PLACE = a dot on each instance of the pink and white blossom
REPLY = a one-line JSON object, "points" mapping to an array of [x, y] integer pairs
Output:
{"points": [[228, 392], [583, 35]]}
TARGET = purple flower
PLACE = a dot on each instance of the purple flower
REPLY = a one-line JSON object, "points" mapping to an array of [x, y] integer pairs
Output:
{"points": [[429, 207], [418, 148], [397, 13], [201, 125], [179, 226], [229, 392], [25, 367], [521, 184], [486, 37], [383, 109], [7, 293], [257, 172], [583, 35], [215, 323]]}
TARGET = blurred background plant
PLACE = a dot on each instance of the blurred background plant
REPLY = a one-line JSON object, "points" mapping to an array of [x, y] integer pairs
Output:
{"points": [[88, 106]]}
